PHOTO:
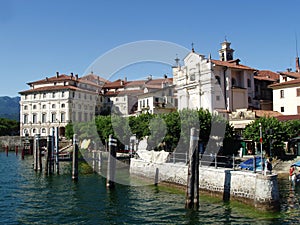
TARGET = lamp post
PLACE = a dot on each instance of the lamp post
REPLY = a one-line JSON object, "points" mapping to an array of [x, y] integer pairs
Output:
{"points": [[261, 151]]}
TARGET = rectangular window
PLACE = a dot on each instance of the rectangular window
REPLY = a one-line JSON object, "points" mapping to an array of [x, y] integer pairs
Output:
{"points": [[25, 118], [63, 117], [281, 109], [192, 77], [281, 93], [53, 117], [298, 92], [34, 118], [249, 83], [218, 98], [44, 118]]}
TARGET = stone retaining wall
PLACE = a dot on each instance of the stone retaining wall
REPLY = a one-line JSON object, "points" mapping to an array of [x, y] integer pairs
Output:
{"points": [[242, 185]]}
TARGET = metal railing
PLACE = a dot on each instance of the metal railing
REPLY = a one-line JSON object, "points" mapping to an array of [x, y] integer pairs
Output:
{"points": [[213, 160]]}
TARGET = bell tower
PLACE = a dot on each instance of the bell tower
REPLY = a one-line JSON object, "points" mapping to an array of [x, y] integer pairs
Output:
{"points": [[226, 53]]}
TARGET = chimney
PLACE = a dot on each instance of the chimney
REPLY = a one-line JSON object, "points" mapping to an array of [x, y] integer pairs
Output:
{"points": [[71, 75], [297, 65], [165, 76], [57, 74], [76, 77], [122, 82]]}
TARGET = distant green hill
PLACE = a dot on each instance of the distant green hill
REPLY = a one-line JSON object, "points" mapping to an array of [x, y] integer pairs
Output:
{"points": [[10, 108]]}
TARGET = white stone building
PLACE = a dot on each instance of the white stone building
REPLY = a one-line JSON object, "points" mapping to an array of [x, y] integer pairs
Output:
{"points": [[286, 97], [58, 100], [221, 86], [160, 100]]}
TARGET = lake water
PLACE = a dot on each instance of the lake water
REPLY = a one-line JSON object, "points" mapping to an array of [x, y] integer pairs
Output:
{"points": [[27, 197]]}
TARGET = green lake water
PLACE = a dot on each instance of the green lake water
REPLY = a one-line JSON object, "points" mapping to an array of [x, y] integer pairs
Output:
{"points": [[27, 197]]}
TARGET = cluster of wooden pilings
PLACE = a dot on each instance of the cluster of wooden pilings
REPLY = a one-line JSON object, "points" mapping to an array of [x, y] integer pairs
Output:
{"points": [[51, 153], [25, 149]]}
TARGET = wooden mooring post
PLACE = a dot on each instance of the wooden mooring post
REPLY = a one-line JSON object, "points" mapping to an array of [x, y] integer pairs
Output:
{"points": [[75, 158], [192, 189], [56, 144], [111, 167], [49, 158], [37, 157]]}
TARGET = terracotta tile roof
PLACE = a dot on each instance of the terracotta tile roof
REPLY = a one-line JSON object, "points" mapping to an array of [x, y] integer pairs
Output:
{"points": [[116, 84], [94, 78], [266, 113], [136, 83], [288, 117], [61, 77], [290, 74], [54, 88], [267, 75], [231, 64], [295, 82]]}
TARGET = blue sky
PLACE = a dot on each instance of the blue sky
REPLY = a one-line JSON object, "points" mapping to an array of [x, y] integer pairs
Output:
{"points": [[41, 37]]}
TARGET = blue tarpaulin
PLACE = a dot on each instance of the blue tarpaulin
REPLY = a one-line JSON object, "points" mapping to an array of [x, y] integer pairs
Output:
{"points": [[248, 164], [296, 164]]}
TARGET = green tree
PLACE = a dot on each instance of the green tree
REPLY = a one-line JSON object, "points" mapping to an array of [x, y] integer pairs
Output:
{"points": [[9, 127], [273, 134], [69, 131], [140, 125], [291, 128], [104, 128]]}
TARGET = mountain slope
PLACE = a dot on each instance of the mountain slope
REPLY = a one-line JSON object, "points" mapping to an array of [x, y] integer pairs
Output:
{"points": [[10, 107]]}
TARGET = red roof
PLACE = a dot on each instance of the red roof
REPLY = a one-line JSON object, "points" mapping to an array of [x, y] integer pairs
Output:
{"points": [[61, 77], [267, 75], [290, 74], [286, 83], [266, 113], [94, 78], [54, 88], [231, 64], [116, 84], [288, 117]]}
